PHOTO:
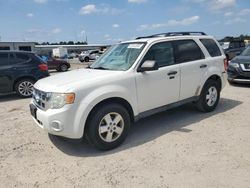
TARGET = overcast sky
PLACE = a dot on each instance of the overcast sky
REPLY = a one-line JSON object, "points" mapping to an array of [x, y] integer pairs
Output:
{"points": [[109, 21]]}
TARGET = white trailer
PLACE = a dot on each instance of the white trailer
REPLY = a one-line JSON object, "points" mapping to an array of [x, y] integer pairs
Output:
{"points": [[60, 52]]}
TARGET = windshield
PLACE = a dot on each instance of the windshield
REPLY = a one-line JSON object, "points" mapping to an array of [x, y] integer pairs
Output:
{"points": [[246, 52], [119, 57]]}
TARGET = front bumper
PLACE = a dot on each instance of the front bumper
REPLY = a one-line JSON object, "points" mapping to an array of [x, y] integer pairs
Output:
{"points": [[237, 75], [57, 121]]}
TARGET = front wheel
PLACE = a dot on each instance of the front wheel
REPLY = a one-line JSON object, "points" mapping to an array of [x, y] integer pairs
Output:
{"points": [[108, 126], [86, 59], [209, 96]]}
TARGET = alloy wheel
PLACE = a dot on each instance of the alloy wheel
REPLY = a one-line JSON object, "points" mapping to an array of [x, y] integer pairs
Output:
{"points": [[111, 127]]}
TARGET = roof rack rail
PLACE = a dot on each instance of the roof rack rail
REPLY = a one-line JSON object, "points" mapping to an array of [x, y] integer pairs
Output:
{"points": [[170, 34]]}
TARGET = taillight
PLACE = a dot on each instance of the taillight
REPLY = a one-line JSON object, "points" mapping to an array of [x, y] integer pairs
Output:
{"points": [[43, 67], [225, 63]]}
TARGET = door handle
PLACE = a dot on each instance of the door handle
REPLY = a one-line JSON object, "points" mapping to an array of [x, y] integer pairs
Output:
{"points": [[172, 73], [203, 66]]}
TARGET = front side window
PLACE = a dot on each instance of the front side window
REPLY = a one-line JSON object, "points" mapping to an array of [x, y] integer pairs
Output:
{"points": [[162, 53], [187, 50], [4, 59], [119, 57], [211, 47]]}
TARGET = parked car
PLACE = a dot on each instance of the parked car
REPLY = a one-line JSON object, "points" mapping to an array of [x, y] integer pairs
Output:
{"points": [[132, 80], [57, 64], [19, 71], [85, 56], [233, 48], [72, 55], [239, 68]]}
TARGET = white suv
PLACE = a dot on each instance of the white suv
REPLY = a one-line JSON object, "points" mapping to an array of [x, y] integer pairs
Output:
{"points": [[131, 80]]}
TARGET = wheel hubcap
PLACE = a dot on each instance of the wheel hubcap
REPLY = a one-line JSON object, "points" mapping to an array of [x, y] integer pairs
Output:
{"points": [[111, 127], [25, 88], [63, 68], [211, 96]]}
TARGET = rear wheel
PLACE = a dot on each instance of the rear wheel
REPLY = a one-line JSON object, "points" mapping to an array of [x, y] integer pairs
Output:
{"points": [[108, 126], [209, 96], [63, 68], [24, 87]]}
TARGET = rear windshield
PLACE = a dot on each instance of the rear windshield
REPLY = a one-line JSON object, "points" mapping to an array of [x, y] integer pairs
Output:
{"points": [[211, 47], [37, 57]]}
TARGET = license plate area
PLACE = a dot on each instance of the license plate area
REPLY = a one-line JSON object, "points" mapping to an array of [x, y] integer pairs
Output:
{"points": [[33, 110]]}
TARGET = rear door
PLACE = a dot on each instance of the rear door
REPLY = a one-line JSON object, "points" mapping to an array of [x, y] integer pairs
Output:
{"points": [[191, 59], [6, 73]]}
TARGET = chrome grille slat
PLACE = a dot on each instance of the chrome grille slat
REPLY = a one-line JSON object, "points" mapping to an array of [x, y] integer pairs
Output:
{"points": [[40, 99]]}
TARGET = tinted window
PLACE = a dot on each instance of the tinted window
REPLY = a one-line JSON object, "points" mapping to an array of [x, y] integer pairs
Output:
{"points": [[22, 58], [4, 48], [162, 53], [3, 58], [187, 50], [25, 48], [211, 47]]}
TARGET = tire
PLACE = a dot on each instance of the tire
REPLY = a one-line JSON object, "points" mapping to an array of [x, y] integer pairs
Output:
{"points": [[209, 97], [231, 82], [102, 131], [63, 68], [24, 88], [86, 59]]}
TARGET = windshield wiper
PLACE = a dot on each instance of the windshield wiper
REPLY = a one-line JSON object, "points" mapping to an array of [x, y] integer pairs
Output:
{"points": [[100, 68]]}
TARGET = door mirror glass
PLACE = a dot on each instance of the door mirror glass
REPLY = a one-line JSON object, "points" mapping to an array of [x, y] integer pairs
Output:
{"points": [[148, 65]]}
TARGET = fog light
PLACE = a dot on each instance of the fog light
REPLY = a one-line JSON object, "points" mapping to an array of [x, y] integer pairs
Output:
{"points": [[56, 126]]}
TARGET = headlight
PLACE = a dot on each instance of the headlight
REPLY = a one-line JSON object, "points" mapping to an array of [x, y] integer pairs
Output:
{"points": [[233, 64], [58, 100]]}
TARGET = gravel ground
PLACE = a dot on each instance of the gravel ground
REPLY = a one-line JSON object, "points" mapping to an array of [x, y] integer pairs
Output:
{"points": [[176, 148]]}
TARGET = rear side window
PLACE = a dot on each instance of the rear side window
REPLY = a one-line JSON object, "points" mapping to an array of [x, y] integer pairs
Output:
{"points": [[162, 53], [4, 59], [211, 47], [22, 58], [187, 50]]}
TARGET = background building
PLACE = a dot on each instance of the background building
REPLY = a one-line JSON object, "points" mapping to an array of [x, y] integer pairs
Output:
{"points": [[24, 46], [47, 49]]}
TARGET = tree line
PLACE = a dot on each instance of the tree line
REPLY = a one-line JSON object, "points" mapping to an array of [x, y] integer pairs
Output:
{"points": [[231, 38], [63, 43]]}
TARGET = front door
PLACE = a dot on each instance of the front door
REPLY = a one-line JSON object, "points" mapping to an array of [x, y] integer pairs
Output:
{"points": [[160, 87], [5, 73]]}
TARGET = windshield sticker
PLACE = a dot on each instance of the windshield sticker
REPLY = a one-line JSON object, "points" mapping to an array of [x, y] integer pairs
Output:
{"points": [[135, 45]]}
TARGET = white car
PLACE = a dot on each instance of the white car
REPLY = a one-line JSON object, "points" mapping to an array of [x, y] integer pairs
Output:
{"points": [[132, 80]]}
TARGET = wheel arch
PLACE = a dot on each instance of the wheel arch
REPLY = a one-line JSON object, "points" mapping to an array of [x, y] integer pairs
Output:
{"points": [[214, 77], [117, 100], [82, 124], [22, 78]]}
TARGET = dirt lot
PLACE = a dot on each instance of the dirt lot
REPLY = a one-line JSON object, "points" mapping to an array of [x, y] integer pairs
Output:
{"points": [[177, 148]]}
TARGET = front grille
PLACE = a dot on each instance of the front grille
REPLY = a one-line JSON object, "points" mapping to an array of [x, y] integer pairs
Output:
{"points": [[247, 67], [40, 99]]}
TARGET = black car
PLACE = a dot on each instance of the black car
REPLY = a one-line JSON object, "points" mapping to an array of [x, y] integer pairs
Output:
{"points": [[19, 71], [234, 48], [239, 68]]}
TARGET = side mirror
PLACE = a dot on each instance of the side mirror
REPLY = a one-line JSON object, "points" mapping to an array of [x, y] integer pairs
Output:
{"points": [[237, 53], [148, 65]]}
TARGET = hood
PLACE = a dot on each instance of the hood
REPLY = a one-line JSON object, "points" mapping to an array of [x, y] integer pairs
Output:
{"points": [[241, 59], [65, 82]]}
